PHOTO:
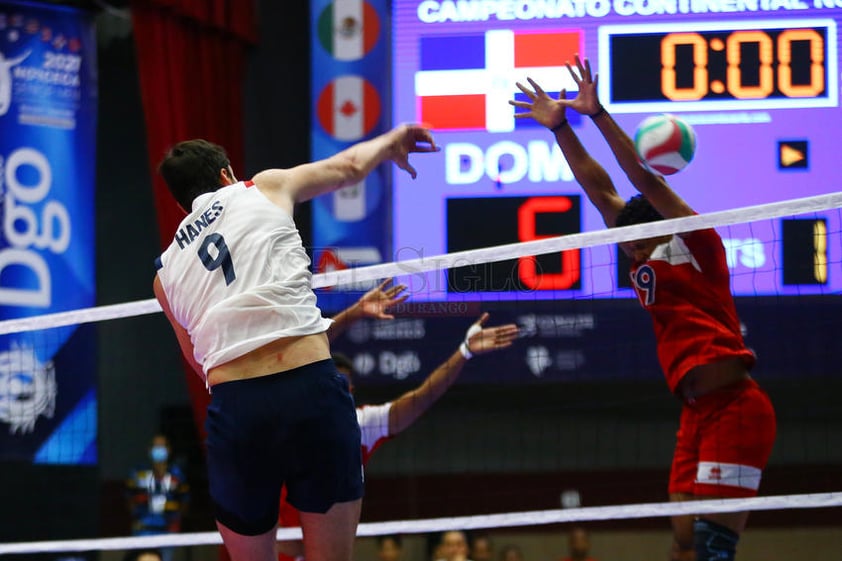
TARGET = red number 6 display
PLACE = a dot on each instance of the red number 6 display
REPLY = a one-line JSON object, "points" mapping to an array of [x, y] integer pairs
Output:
{"points": [[528, 271]]}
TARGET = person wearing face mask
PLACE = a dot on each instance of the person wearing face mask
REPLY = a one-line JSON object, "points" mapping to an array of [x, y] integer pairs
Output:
{"points": [[158, 494]]}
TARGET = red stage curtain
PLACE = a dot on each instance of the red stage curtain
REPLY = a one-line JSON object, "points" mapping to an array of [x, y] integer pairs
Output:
{"points": [[191, 60]]}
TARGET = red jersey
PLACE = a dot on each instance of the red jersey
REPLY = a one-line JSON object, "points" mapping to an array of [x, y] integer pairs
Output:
{"points": [[686, 287]]}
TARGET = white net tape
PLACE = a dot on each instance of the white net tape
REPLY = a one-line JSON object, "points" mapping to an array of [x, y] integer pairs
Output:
{"points": [[470, 257], [477, 522]]}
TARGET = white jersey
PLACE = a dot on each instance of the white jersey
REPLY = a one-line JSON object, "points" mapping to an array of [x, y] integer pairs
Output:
{"points": [[374, 427], [237, 277]]}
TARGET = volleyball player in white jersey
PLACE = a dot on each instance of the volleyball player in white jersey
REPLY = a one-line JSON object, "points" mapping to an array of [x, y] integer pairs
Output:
{"points": [[235, 285]]}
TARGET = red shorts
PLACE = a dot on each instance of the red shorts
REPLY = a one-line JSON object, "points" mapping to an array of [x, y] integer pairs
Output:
{"points": [[724, 442]]}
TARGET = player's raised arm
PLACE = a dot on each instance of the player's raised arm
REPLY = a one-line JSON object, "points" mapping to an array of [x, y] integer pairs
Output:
{"points": [[350, 166], [651, 185], [373, 304], [407, 408], [588, 172]]}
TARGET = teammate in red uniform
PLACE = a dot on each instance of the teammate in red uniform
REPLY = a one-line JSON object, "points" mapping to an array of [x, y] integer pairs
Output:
{"points": [[727, 422]]}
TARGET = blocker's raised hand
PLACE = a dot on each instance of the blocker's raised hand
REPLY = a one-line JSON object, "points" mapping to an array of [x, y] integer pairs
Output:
{"points": [[482, 340]]}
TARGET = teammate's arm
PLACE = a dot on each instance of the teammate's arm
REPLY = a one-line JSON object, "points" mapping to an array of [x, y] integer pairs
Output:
{"points": [[591, 176], [180, 333], [654, 187], [410, 406], [301, 183], [373, 304]]}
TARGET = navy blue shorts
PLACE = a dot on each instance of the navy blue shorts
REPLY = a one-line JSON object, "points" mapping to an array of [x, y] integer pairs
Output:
{"points": [[296, 428]]}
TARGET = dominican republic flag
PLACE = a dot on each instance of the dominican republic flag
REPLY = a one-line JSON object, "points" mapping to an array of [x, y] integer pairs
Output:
{"points": [[348, 108], [466, 81], [349, 29]]}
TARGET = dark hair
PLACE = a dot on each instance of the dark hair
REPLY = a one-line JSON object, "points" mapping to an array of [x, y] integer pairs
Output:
{"points": [[342, 361], [637, 210], [191, 168], [394, 537]]}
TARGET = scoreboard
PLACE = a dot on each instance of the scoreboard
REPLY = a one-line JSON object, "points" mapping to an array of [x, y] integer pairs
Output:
{"points": [[757, 79]]}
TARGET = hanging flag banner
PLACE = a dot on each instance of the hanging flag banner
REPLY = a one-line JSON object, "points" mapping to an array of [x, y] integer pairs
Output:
{"points": [[348, 29], [465, 81], [47, 174], [348, 108], [349, 55]]}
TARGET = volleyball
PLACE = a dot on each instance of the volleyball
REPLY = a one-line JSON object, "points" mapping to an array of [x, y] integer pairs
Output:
{"points": [[665, 143]]}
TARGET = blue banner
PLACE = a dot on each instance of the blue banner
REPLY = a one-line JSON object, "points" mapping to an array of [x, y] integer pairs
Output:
{"points": [[47, 174], [564, 341], [350, 50]]}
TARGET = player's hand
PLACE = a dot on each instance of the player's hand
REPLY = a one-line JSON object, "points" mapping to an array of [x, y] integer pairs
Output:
{"points": [[485, 339], [408, 139], [376, 302], [545, 110], [586, 101]]}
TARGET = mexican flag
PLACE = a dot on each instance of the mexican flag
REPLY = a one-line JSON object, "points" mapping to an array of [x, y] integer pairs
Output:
{"points": [[348, 29]]}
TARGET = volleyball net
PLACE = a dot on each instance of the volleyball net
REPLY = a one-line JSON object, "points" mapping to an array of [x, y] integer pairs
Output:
{"points": [[573, 424]]}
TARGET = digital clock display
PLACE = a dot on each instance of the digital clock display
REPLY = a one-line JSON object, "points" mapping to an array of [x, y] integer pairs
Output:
{"points": [[737, 65]]}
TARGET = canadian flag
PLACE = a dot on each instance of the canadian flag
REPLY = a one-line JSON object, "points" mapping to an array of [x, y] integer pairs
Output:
{"points": [[348, 108]]}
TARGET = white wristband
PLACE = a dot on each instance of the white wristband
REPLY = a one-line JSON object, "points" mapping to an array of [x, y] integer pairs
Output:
{"points": [[464, 348]]}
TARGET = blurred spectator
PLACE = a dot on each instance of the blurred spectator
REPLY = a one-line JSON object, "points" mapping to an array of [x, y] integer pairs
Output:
{"points": [[143, 555], [454, 546], [511, 553], [157, 494], [578, 545], [389, 548], [481, 548], [434, 547]]}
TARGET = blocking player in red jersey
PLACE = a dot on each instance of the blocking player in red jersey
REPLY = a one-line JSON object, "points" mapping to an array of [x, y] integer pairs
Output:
{"points": [[727, 422]]}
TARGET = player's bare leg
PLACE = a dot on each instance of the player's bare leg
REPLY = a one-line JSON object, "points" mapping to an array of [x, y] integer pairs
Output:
{"points": [[249, 548], [683, 546], [330, 536], [735, 521]]}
